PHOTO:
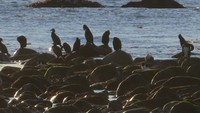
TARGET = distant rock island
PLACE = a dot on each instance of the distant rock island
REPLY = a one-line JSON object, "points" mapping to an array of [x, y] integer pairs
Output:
{"points": [[154, 4], [65, 3]]}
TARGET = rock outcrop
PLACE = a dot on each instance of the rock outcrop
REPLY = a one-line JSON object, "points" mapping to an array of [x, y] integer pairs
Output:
{"points": [[65, 3], [154, 4]]}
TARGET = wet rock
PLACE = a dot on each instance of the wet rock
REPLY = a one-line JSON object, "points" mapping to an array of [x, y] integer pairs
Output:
{"points": [[39, 59], [167, 73], [28, 87], [59, 97], [120, 58], [58, 71], [24, 54], [9, 70], [181, 81], [183, 107], [84, 106], [103, 73], [65, 3], [130, 83], [154, 4], [63, 109], [76, 88]]}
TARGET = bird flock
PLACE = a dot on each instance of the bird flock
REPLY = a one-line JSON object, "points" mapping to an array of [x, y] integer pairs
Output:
{"points": [[58, 47], [90, 49]]}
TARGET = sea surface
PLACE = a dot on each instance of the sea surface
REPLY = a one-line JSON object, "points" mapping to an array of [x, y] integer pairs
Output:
{"points": [[142, 31]]}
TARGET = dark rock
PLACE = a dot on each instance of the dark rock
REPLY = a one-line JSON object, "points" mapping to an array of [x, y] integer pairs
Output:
{"points": [[167, 73], [65, 3], [183, 107], [130, 83], [154, 4], [63, 109], [120, 58], [181, 81], [103, 73], [24, 54], [76, 88]]}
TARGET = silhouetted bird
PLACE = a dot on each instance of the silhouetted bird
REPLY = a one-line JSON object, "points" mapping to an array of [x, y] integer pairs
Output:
{"points": [[22, 41], [57, 51], [77, 44], [88, 35], [117, 44], [183, 41], [3, 48], [67, 48], [55, 38], [105, 37]]}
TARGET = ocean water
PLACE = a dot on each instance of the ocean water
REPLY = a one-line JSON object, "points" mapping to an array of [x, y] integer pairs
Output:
{"points": [[141, 30]]}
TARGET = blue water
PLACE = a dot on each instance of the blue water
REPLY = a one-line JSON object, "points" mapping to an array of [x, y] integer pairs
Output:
{"points": [[141, 30]]}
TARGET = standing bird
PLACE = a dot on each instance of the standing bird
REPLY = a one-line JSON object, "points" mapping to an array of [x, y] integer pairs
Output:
{"points": [[88, 35], [77, 44], [183, 42], [57, 50], [55, 38], [105, 37], [181, 39], [117, 44], [67, 48], [22, 41], [3, 48]]}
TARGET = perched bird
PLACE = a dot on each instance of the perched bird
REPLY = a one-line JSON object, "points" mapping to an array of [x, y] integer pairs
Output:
{"points": [[55, 38], [88, 35], [187, 47], [117, 44], [181, 39], [22, 41], [67, 48], [3, 48], [77, 44], [105, 37], [57, 50]]}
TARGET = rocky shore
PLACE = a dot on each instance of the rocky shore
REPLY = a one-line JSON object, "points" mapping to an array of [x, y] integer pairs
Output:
{"points": [[84, 79], [84, 84]]}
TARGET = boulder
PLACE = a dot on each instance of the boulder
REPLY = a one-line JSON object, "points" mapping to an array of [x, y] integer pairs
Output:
{"points": [[154, 4], [24, 54], [131, 83], [65, 3], [103, 73], [120, 58]]}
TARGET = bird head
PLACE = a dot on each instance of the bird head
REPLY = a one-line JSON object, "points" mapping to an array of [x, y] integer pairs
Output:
{"points": [[180, 36], [85, 27], [1, 39], [53, 30], [107, 32]]}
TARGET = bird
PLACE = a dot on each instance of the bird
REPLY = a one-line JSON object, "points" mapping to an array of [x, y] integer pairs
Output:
{"points": [[57, 50], [88, 35], [77, 44], [105, 37], [22, 41], [3, 48], [117, 44], [67, 48], [55, 38], [184, 42], [181, 39]]}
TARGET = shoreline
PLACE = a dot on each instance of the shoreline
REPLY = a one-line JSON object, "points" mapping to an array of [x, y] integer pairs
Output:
{"points": [[47, 84]]}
